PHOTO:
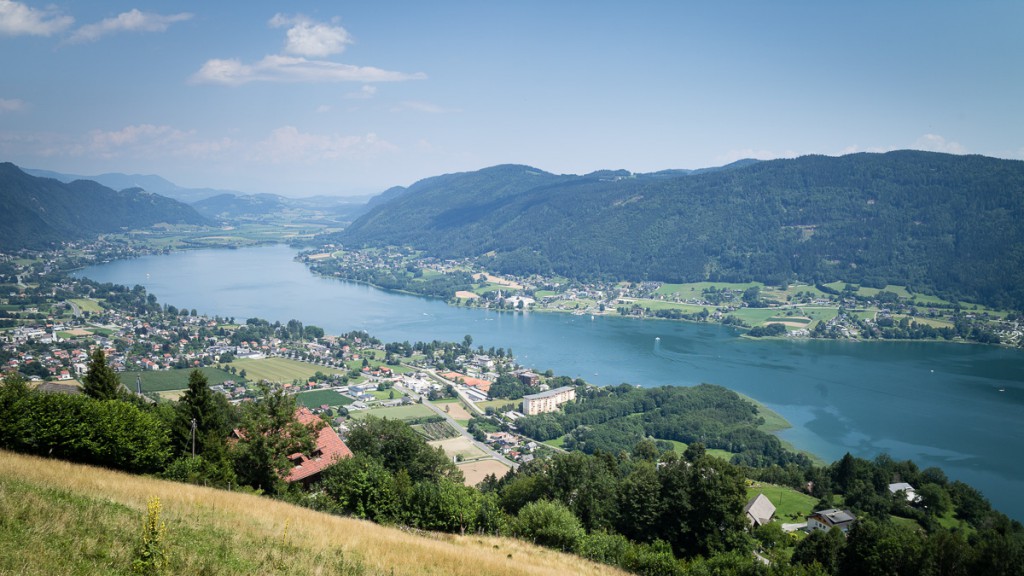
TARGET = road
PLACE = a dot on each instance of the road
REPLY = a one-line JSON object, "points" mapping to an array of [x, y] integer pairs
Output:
{"points": [[451, 422]]}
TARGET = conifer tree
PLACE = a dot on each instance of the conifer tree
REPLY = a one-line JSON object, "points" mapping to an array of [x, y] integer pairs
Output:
{"points": [[101, 382]]}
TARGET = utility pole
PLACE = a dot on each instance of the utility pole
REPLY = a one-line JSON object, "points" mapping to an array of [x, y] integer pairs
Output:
{"points": [[193, 438]]}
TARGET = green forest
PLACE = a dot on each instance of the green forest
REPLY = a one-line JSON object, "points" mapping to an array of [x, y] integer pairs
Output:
{"points": [[943, 224]]}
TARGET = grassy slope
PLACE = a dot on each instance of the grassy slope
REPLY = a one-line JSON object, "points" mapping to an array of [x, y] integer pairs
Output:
{"points": [[60, 518]]}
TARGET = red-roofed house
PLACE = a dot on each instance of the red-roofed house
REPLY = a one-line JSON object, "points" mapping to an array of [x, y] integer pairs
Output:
{"points": [[329, 449]]}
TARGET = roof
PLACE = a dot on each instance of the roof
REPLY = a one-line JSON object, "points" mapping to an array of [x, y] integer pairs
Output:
{"points": [[896, 487], [834, 516], [760, 509], [329, 449], [480, 384], [548, 393]]}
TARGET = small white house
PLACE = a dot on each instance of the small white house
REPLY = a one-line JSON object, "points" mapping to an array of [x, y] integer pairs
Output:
{"points": [[826, 520], [907, 489]]}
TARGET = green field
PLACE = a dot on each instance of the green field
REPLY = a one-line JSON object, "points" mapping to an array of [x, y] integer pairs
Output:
{"points": [[161, 380], [695, 289], [655, 305], [755, 316], [790, 505], [681, 447], [386, 394], [318, 398], [398, 412], [436, 431], [87, 305], [280, 370]]}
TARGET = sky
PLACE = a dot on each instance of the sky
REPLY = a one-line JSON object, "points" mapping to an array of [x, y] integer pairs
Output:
{"points": [[350, 98]]}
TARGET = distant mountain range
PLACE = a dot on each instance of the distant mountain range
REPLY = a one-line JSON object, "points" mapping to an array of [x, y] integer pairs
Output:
{"points": [[149, 183], [935, 222], [40, 212], [219, 204]]}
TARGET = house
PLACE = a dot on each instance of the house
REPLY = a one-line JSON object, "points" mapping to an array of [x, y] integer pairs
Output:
{"points": [[826, 520], [529, 379], [759, 510], [908, 491], [329, 449], [548, 401]]}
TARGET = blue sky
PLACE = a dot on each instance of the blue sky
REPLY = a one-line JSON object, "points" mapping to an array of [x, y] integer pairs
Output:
{"points": [[305, 97]]}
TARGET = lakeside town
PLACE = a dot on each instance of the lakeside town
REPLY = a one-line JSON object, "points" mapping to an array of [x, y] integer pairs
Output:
{"points": [[52, 323], [834, 310]]}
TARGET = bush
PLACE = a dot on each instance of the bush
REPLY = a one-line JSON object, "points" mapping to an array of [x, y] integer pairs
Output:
{"points": [[107, 433], [549, 524]]}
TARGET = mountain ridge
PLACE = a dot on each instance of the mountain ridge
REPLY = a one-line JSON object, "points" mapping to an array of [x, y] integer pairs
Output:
{"points": [[43, 211], [938, 222]]}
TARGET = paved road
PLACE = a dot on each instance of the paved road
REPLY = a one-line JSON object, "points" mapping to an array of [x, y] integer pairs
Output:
{"points": [[465, 433]]}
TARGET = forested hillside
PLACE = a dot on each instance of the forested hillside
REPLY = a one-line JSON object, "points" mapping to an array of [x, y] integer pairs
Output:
{"points": [[41, 211], [935, 222]]}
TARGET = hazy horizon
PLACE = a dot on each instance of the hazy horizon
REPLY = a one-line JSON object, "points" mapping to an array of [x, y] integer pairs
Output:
{"points": [[354, 99]]}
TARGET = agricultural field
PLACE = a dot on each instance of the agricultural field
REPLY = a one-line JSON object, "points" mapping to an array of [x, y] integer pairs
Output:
{"points": [[408, 412], [281, 370], [436, 431], [695, 289], [163, 380], [474, 472], [318, 398], [454, 408], [459, 446], [87, 304]]}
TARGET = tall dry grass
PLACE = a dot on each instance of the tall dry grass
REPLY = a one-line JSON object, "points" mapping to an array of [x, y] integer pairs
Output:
{"points": [[217, 532]]}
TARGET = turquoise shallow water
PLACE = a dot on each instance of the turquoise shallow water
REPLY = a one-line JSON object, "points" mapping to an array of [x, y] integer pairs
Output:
{"points": [[960, 407]]}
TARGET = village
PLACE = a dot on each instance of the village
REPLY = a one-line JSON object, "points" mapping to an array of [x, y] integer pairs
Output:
{"points": [[834, 310], [443, 392]]}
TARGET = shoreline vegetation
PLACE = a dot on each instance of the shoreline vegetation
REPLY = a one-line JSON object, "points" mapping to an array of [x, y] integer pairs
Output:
{"points": [[834, 310]]}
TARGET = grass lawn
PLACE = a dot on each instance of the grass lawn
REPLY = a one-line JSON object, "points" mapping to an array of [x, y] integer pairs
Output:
{"points": [[557, 442], [496, 404], [681, 447], [790, 505], [281, 370], [161, 380], [755, 316], [398, 412], [695, 289], [87, 304], [318, 398], [545, 293], [655, 305], [385, 394]]}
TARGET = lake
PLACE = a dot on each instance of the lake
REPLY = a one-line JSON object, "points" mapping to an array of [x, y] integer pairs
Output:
{"points": [[956, 406]]}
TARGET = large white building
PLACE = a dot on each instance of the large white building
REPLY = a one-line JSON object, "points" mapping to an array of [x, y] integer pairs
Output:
{"points": [[548, 401]]}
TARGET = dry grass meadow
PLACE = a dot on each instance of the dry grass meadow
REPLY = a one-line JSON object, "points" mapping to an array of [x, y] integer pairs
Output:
{"points": [[474, 472], [61, 518]]}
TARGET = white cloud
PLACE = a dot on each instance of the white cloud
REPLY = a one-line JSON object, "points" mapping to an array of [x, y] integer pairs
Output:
{"points": [[308, 38], [131, 21], [936, 143], [17, 19], [276, 68], [287, 144], [11, 105], [323, 108], [364, 93]]}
